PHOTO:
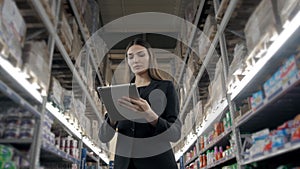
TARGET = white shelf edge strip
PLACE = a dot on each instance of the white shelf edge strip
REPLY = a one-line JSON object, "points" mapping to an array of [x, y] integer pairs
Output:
{"points": [[192, 138], [95, 149], [55, 112], [276, 45], [20, 78]]}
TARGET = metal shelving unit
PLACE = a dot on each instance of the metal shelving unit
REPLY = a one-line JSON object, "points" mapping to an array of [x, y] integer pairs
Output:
{"points": [[85, 39], [15, 85], [38, 6], [285, 44]]}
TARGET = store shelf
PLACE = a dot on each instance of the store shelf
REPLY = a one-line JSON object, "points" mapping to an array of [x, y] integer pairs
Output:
{"points": [[206, 126], [63, 121], [191, 160], [39, 8], [282, 107], [221, 138], [267, 155], [222, 161], [212, 118], [17, 80], [287, 39], [85, 37], [16, 141], [51, 153], [73, 131], [18, 99], [91, 158]]}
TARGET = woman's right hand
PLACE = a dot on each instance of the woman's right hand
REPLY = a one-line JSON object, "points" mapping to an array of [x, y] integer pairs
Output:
{"points": [[112, 123]]}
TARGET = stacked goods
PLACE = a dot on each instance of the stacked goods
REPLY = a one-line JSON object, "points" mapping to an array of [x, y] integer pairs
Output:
{"points": [[91, 16], [207, 36], [56, 93], [210, 27], [216, 89], [260, 27], [67, 145], [12, 32], [16, 124], [237, 66], [270, 141], [65, 32], [48, 136], [191, 154], [49, 7], [77, 43], [6, 157], [287, 9], [36, 62]]}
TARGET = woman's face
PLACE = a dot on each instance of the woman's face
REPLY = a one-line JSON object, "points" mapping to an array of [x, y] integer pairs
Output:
{"points": [[138, 59]]}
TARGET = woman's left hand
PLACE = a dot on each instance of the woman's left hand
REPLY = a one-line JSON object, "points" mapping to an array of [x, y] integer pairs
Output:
{"points": [[139, 106]]}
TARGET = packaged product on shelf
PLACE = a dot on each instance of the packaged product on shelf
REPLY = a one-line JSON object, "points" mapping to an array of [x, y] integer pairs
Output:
{"points": [[216, 89], [260, 27], [27, 123], [279, 138], [56, 93], [36, 62], [68, 100], [237, 66], [257, 100], [204, 44], [95, 129], [12, 49], [13, 19], [295, 132], [287, 9], [91, 16], [260, 139], [290, 71], [273, 85], [65, 33], [6, 153], [77, 43], [210, 27], [26, 133]]}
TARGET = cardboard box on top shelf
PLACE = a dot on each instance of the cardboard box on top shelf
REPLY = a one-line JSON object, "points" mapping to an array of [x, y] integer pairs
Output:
{"points": [[77, 43], [216, 88], [10, 46], [56, 93], [210, 27], [204, 44], [36, 62], [261, 26], [237, 67], [13, 19], [287, 9], [65, 32]]}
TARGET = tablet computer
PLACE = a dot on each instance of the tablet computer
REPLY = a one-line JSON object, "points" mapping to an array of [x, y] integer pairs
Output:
{"points": [[110, 95]]}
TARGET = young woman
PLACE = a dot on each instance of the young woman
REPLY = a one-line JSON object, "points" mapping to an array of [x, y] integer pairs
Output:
{"points": [[146, 144]]}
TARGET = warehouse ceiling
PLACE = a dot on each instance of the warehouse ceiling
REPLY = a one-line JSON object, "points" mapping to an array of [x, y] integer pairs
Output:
{"points": [[112, 10]]}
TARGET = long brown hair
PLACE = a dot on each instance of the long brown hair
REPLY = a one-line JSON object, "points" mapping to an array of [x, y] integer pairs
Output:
{"points": [[153, 70]]}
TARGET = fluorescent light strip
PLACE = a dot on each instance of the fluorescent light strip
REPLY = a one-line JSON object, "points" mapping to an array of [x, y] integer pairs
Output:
{"points": [[55, 112], [276, 45], [20, 77]]}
